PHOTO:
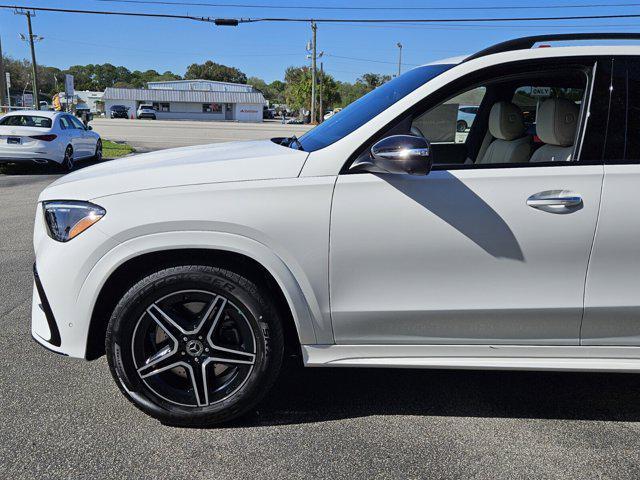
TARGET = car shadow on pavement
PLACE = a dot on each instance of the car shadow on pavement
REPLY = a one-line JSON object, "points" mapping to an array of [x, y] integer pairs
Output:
{"points": [[44, 169], [326, 394]]}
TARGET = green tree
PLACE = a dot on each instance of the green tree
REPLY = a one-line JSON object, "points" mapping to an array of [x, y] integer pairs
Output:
{"points": [[214, 71], [298, 89], [274, 91]]}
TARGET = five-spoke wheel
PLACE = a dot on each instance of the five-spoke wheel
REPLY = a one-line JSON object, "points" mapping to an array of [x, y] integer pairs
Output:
{"points": [[194, 344], [193, 347]]}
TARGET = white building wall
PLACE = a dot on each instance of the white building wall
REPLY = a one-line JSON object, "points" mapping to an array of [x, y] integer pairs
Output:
{"points": [[248, 112], [193, 111]]}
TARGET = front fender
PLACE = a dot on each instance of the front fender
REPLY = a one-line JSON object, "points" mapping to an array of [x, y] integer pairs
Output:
{"points": [[303, 304]]}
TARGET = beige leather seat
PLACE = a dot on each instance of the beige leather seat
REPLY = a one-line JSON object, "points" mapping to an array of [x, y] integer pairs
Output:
{"points": [[556, 127], [510, 145]]}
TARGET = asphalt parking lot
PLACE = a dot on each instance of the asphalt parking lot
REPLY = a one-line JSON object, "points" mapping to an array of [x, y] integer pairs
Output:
{"points": [[147, 135], [65, 419]]}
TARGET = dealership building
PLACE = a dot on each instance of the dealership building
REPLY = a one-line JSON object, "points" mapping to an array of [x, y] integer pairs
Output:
{"points": [[192, 100]]}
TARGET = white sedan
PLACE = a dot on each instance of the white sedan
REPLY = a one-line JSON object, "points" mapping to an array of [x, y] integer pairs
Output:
{"points": [[46, 137]]}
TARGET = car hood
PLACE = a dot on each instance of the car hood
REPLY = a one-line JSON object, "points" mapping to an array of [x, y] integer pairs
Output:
{"points": [[221, 162]]}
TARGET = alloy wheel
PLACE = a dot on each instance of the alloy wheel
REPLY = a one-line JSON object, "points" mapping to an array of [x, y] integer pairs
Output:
{"points": [[193, 348], [67, 161]]}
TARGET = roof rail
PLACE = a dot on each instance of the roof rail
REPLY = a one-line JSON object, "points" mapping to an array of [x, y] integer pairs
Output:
{"points": [[524, 43]]}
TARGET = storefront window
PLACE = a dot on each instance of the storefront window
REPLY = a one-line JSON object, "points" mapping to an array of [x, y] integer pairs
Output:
{"points": [[161, 107], [211, 108]]}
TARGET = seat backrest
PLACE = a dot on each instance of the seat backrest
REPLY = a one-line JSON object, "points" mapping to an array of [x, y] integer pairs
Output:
{"points": [[510, 145], [556, 125]]}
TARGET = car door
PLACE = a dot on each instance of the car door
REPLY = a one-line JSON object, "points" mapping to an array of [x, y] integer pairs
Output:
{"points": [[612, 301], [82, 137], [462, 255]]}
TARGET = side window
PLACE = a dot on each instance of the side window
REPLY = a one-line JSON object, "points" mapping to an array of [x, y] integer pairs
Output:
{"points": [[531, 117], [64, 123], [76, 123], [632, 153], [450, 121]]}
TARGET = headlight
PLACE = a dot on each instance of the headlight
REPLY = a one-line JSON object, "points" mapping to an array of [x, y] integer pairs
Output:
{"points": [[67, 219]]}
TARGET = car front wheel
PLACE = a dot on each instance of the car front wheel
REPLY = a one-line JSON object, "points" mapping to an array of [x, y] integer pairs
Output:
{"points": [[97, 156], [194, 345], [67, 160]]}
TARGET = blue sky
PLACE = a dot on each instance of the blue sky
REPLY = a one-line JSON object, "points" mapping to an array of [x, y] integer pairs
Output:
{"points": [[266, 49]]}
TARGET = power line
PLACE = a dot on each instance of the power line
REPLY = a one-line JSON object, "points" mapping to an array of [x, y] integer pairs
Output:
{"points": [[236, 21], [107, 12], [367, 60], [325, 7]]}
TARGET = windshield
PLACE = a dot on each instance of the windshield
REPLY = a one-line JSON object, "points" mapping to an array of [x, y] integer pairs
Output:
{"points": [[26, 121], [365, 108]]}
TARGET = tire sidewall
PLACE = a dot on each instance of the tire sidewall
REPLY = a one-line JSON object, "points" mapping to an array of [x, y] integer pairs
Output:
{"points": [[262, 322]]}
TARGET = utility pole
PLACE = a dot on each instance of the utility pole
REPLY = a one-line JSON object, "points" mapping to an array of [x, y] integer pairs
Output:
{"points": [[34, 65], [314, 28], [3, 79], [321, 88], [400, 59]]}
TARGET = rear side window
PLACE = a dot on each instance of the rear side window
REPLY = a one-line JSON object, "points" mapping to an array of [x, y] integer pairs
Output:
{"points": [[632, 127], [26, 121]]}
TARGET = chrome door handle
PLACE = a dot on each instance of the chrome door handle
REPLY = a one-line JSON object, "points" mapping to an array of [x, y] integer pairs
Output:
{"points": [[554, 200]]}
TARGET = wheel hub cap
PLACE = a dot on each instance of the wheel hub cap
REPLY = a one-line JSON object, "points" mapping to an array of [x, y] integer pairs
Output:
{"points": [[194, 348]]}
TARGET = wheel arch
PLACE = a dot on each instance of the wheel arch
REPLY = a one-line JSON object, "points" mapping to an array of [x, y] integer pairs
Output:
{"points": [[296, 316]]}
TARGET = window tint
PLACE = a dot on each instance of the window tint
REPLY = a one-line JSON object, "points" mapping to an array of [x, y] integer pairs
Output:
{"points": [[529, 98], [26, 121], [450, 121], [76, 123], [632, 131], [365, 108], [64, 122]]}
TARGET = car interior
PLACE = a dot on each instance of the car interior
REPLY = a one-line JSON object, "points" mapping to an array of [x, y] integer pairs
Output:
{"points": [[521, 119]]}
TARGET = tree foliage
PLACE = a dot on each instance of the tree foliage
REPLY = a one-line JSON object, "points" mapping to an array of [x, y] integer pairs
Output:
{"points": [[214, 71], [297, 91]]}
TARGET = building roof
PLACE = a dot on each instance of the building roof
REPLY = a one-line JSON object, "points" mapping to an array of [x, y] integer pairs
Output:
{"points": [[189, 96], [206, 85]]}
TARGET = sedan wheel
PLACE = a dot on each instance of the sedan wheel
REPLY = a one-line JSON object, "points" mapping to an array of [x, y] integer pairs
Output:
{"points": [[98, 154], [67, 161], [194, 345]]}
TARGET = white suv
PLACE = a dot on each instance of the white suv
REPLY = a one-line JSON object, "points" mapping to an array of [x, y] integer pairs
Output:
{"points": [[381, 238]]}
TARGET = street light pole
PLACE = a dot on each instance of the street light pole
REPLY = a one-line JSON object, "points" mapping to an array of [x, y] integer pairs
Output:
{"points": [[2, 78], [314, 28], [400, 59]]}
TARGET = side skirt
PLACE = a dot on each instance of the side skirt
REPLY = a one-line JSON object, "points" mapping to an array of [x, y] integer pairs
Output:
{"points": [[476, 357]]}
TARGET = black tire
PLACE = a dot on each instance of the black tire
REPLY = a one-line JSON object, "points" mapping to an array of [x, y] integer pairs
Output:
{"points": [[97, 156], [461, 126], [67, 161], [161, 393]]}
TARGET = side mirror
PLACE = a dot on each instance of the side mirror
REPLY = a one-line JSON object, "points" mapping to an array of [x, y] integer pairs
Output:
{"points": [[399, 154], [89, 127]]}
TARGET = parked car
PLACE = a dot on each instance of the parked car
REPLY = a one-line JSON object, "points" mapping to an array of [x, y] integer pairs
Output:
{"points": [[331, 113], [146, 111], [46, 137], [268, 113], [466, 116], [362, 244], [118, 111]]}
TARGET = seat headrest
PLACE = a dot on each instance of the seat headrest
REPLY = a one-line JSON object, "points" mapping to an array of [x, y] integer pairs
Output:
{"points": [[557, 121], [506, 121]]}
